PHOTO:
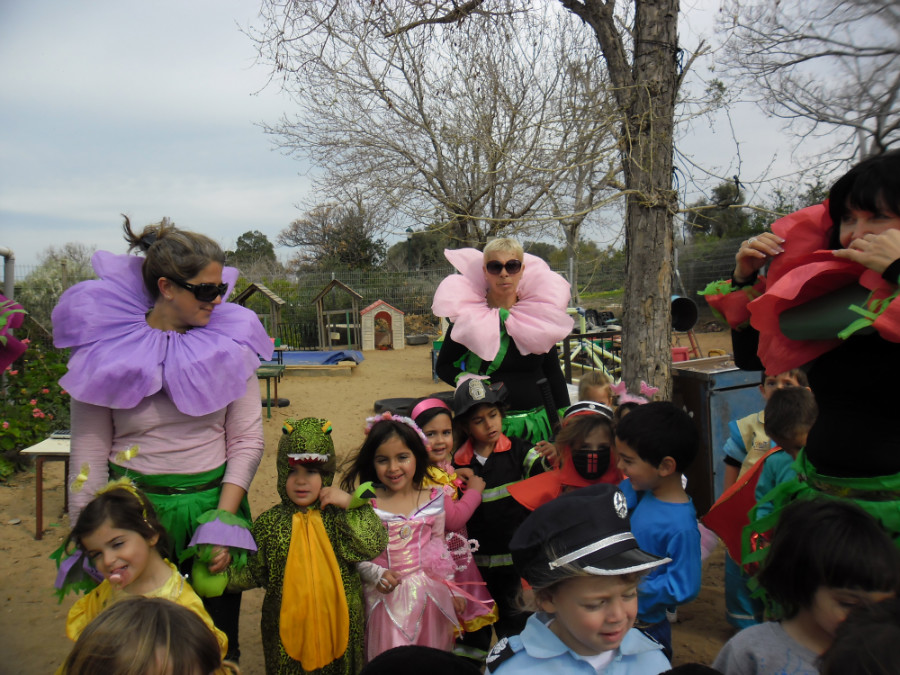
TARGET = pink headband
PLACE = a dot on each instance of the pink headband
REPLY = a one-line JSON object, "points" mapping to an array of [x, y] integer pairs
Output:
{"points": [[428, 404]]}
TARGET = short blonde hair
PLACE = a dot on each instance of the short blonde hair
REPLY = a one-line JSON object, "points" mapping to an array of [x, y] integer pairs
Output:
{"points": [[593, 378], [505, 244]]}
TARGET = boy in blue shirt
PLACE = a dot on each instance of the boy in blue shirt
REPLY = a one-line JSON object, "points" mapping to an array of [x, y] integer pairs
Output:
{"points": [[583, 564], [656, 443]]}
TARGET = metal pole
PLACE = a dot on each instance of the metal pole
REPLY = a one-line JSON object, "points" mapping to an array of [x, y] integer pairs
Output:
{"points": [[9, 272]]}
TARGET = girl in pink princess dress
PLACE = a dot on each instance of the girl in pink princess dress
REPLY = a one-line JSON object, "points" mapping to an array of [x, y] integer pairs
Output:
{"points": [[409, 590], [507, 311]]}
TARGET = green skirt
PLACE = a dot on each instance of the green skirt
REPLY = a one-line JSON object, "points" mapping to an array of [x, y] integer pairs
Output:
{"points": [[879, 496], [180, 499], [533, 425]]}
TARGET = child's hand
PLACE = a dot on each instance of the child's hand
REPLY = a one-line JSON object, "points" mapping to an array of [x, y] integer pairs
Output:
{"points": [[334, 496], [220, 561], [459, 604], [548, 452], [475, 483], [389, 581], [464, 475]]}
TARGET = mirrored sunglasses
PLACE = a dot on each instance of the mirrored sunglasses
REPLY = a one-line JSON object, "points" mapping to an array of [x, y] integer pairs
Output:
{"points": [[513, 266], [203, 292]]}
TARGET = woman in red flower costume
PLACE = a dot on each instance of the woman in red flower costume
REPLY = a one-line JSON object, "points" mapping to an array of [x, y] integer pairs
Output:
{"points": [[829, 304]]}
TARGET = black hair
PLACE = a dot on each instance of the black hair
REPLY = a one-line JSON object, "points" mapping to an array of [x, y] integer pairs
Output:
{"points": [[692, 669], [461, 421], [428, 415], [660, 429], [824, 541], [127, 509], [866, 643], [361, 466], [872, 185], [415, 659], [623, 409], [790, 410], [798, 374]]}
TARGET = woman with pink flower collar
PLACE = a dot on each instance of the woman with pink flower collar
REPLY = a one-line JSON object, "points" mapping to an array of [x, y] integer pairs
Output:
{"points": [[507, 310]]}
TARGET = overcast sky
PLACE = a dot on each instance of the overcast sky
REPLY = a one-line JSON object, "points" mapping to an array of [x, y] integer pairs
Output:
{"points": [[150, 109]]}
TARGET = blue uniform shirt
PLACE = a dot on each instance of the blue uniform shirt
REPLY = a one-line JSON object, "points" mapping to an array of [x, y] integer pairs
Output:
{"points": [[537, 651]]}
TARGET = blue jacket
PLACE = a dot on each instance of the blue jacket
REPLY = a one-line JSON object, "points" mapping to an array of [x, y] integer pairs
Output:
{"points": [[537, 651]]}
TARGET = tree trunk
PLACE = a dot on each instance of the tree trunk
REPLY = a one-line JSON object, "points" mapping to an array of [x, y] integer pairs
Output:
{"points": [[646, 97], [651, 202], [571, 255]]}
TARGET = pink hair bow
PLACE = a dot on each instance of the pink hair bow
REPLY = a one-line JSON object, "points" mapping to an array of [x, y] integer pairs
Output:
{"points": [[622, 395]]}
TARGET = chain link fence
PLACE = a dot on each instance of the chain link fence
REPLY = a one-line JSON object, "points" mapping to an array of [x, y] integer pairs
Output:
{"points": [[411, 291]]}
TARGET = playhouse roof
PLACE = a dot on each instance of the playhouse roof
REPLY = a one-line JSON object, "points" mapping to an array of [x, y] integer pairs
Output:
{"points": [[241, 297], [334, 283], [378, 303]]}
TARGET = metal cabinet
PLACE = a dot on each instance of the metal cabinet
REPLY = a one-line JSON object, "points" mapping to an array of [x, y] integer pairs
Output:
{"points": [[713, 391]]}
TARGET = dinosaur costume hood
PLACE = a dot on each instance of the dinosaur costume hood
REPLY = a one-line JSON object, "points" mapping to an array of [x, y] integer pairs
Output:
{"points": [[307, 441]]}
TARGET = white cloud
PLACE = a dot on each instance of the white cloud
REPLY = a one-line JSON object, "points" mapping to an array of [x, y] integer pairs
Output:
{"points": [[145, 108]]}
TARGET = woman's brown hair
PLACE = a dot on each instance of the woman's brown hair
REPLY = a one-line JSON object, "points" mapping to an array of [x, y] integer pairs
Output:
{"points": [[171, 253]]}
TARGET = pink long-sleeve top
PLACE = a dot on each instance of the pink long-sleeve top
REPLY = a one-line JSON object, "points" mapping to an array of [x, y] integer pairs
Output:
{"points": [[167, 441], [458, 512]]}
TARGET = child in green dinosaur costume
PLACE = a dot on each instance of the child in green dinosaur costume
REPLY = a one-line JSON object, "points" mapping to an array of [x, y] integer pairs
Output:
{"points": [[312, 615]]}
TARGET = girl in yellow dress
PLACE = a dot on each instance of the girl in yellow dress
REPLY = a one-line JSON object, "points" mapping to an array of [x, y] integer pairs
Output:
{"points": [[119, 534]]}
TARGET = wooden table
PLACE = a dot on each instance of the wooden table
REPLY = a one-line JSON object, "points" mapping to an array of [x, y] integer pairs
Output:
{"points": [[268, 373], [47, 450], [279, 354]]}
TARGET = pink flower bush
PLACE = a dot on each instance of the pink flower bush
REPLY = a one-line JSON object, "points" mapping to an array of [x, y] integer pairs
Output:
{"points": [[34, 405]]}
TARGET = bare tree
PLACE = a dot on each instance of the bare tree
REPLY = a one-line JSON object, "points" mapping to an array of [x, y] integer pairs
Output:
{"points": [[59, 268], [338, 235], [830, 67], [640, 51], [445, 127], [588, 148]]}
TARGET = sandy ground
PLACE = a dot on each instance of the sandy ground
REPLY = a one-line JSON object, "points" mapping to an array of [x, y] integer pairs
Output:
{"points": [[32, 624]]}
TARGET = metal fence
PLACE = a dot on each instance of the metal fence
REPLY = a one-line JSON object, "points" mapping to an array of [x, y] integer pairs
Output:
{"points": [[409, 291]]}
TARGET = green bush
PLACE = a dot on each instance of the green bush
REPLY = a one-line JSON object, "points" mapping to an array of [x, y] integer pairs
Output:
{"points": [[34, 405]]}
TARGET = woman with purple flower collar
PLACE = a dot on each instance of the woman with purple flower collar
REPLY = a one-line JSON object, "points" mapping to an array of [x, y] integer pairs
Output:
{"points": [[164, 391]]}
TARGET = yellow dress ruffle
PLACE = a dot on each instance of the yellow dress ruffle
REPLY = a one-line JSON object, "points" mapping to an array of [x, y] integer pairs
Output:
{"points": [[176, 589]]}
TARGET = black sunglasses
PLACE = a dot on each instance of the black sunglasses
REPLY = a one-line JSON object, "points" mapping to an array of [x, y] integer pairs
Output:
{"points": [[513, 266], [203, 292]]}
